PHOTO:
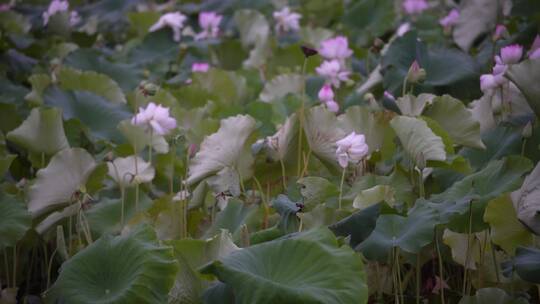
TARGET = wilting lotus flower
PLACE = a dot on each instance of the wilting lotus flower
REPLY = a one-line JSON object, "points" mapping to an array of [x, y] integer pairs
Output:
{"points": [[155, 117], [286, 20], [173, 20], [500, 32], [332, 71], [56, 6], [326, 93], [412, 7], [201, 67], [511, 54], [335, 48], [450, 20], [209, 23], [351, 149], [534, 52], [403, 29]]}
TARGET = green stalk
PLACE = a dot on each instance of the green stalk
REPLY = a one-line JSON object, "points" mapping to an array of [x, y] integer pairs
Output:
{"points": [[418, 278], [467, 253], [341, 187], [283, 177], [301, 116], [50, 269], [399, 276], [440, 262], [7, 266], [494, 256]]}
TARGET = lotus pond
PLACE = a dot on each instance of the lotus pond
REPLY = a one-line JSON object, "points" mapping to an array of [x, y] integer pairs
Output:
{"points": [[270, 151]]}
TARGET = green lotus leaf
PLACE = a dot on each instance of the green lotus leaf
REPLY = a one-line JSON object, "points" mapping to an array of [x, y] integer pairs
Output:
{"points": [[476, 18], [358, 225], [14, 23], [281, 86], [280, 145], [410, 105], [55, 185], [228, 147], [99, 84], [374, 125], [130, 268], [374, 195], [232, 87], [290, 271], [409, 233], [252, 25], [491, 295], [236, 214], [459, 242], [369, 18], [452, 115], [156, 46], [523, 75], [124, 172], [15, 220], [316, 190], [140, 139], [100, 116], [52, 219], [5, 163], [506, 229], [41, 132], [398, 180], [313, 36], [527, 201], [322, 131], [527, 264], [39, 83], [418, 140]]}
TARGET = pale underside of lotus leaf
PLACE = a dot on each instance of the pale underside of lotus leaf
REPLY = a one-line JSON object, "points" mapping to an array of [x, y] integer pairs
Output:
{"points": [[57, 183], [127, 171]]}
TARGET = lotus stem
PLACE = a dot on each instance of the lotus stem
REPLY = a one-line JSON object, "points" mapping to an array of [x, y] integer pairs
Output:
{"points": [[418, 278], [283, 176], [301, 117], [50, 268], [440, 262], [494, 257], [7, 266], [404, 88], [341, 187], [421, 188], [467, 252], [399, 276]]}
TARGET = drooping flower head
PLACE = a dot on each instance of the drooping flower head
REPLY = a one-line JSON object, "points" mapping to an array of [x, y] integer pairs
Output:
{"points": [[173, 20], [413, 7], [286, 20], [333, 72], [335, 48], [209, 23], [56, 6], [201, 67], [511, 54], [351, 149], [450, 20], [156, 118]]}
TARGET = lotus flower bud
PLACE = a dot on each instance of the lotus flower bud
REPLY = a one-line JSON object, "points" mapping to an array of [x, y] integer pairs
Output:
{"points": [[416, 74]]}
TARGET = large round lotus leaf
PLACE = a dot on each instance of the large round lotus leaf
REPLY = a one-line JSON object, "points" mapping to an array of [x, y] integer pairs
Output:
{"points": [[452, 115], [476, 18], [124, 172], [418, 139], [99, 84], [527, 264], [41, 132], [322, 131], [492, 296], [358, 225], [252, 25], [15, 220], [524, 75], [95, 112], [300, 270], [55, 185], [409, 233], [506, 230], [280, 86], [131, 268], [225, 148], [527, 201]]}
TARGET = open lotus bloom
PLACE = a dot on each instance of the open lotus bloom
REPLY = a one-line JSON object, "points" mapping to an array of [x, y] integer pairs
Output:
{"points": [[450, 20], [286, 20], [333, 72], [56, 6], [201, 67], [156, 118], [209, 23], [173, 20], [351, 149], [335, 48], [511, 54], [413, 7]]}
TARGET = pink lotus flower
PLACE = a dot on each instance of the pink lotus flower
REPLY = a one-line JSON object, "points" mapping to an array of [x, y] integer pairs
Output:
{"points": [[5, 7], [500, 32], [451, 19], [534, 52], [333, 72], [173, 20], [326, 93], [511, 54], [413, 7], [332, 106], [156, 118], [335, 48], [209, 23], [489, 82], [351, 149], [201, 67], [286, 20], [56, 6]]}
